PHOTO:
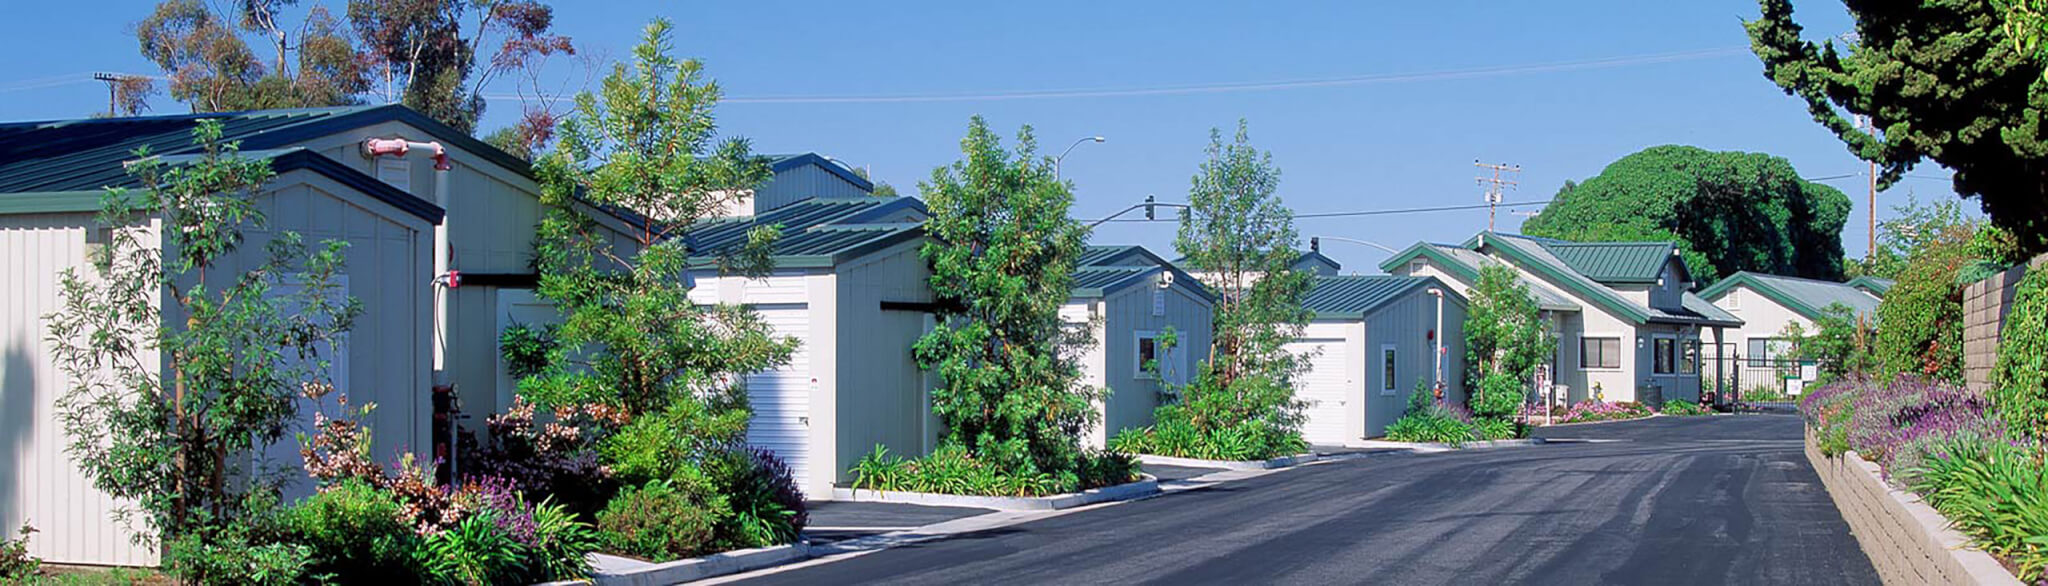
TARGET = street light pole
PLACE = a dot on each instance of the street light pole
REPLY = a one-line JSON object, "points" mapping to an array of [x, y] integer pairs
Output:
{"points": [[1389, 249], [1070, 148]]}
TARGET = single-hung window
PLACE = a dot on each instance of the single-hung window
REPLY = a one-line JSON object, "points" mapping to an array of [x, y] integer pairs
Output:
{"points": [[1599, 352], [1667, 356]]}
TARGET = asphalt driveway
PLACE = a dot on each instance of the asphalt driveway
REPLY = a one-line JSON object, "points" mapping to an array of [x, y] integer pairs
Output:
{"points": [[1713, 500]]}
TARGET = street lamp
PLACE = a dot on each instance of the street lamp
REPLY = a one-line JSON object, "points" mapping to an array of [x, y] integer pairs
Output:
{"points": [[1070, 148]]}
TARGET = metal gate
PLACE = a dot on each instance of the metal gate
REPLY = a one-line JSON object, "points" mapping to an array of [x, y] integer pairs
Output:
{"points": [[1735, 378]]}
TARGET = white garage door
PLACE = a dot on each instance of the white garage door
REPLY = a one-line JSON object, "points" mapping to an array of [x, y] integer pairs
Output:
{"points": [[781, 398], [1325, 388]]}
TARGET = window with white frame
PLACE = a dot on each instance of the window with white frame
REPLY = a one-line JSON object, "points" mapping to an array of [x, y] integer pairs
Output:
{"points": [[1765, 352], [1599, 352], [1155, 359], [1387, 369]]}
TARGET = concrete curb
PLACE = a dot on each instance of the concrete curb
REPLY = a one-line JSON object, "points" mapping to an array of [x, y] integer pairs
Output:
{"points": [[1425, 447], [621, 571], [1280, 462], [1908, 541], [1147, 485]]}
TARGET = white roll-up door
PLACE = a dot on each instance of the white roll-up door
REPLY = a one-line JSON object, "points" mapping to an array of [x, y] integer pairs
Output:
{"points": [[1325, 388], [781, 398]]}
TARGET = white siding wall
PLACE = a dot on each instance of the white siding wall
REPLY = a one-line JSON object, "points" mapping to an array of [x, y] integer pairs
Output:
{"points": [[38, 482], [386, 358], [492, 214], [1761, 317], [1087, 312]]}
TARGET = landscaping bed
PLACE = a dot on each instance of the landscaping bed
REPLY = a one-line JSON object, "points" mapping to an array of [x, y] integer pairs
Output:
{"points": [[1944, 446]]}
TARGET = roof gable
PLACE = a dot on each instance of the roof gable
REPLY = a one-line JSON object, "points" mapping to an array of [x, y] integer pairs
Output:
{"points": [[781, 163], [1097, 262], [1807, 297], [1877, 286]]}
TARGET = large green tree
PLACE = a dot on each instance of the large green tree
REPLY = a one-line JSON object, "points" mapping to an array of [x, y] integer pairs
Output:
{"points": [[1941, 81], [1237, 230], [1002, 253], [1505, 340], [1728, 212], [631, 336]]}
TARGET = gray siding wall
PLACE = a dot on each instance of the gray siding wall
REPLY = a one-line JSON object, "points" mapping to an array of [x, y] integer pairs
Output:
{"points": [[801, 183], [1133, 397], [883, 397], [1406, 324]]}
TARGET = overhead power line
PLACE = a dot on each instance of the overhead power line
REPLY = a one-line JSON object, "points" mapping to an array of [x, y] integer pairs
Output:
{"points": [[1243, 86], [1358, 213]]}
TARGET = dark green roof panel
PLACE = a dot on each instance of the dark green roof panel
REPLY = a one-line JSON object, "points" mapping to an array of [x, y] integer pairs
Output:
{"points": [[1359, 295], [1614, 262]]}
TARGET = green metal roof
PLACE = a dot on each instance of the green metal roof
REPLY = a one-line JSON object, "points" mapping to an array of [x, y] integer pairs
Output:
{"points": [[1356, 296], [1463, 264], [1874, 285], [815, 232], [87, 154], [1614, 262], [1808, 297], [1093, 270]]}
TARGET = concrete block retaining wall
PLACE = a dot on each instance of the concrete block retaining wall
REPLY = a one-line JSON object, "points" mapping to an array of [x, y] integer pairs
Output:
{"points": [[1985, 304], [1908, 542]]}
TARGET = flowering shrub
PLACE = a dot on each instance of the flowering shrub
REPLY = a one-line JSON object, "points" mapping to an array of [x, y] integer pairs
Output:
{"points": [[1590, 410], [16, 565], [483, 531], [558, 458]]}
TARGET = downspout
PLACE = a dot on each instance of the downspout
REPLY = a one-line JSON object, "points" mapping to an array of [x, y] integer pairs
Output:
{"points": [[446, 277], [1439, 335]]}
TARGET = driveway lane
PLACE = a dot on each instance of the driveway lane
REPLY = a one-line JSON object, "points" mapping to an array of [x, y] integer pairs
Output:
{"points": [[1715, 500]]}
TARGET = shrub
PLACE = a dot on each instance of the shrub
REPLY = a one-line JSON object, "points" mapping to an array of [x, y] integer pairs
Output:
{"points": [[1434, 423], [1177, 434], [476, 551], [656, 521], [561, 543], [1496, 429], [16, 565], [951, 469], [1500, 396], [765, 506], [1682, 408], [355, 532], [2020, 383], [230, 553], [1997, 492]]}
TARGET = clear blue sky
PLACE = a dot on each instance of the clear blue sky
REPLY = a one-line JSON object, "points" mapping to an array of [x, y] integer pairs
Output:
{"points": [[1407, 139]]}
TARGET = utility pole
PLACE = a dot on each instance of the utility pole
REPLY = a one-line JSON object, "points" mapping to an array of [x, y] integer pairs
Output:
{"points": [[113, 91], [1871, 127], [1495, 187]]}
